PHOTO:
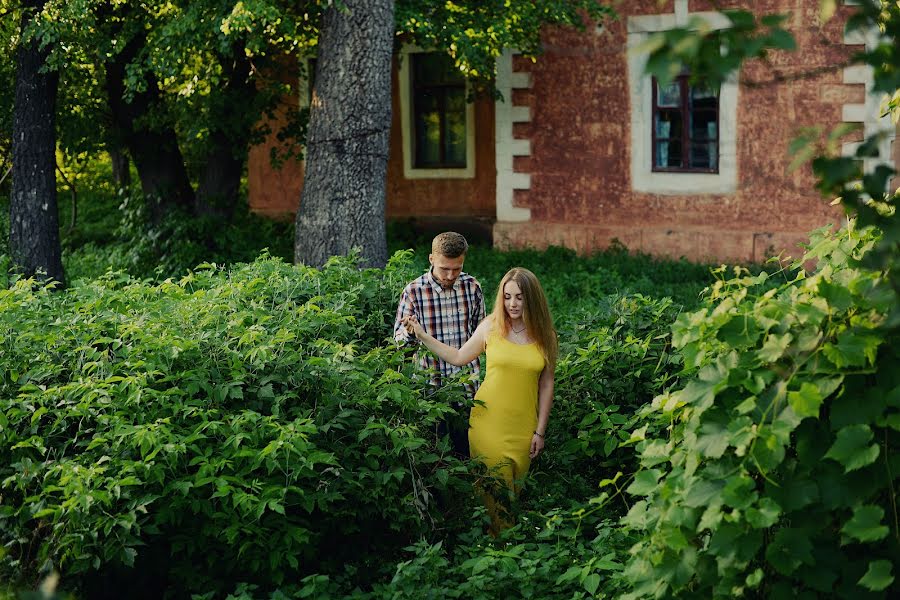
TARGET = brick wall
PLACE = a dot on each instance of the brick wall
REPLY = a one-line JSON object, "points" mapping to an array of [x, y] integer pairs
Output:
{"points": [[581, 194]]}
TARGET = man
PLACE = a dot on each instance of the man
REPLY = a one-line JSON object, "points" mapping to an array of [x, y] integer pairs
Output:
{"points": [[449, 304]]}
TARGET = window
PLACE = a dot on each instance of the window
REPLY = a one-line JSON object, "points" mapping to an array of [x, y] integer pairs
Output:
{"points": [[438, 112], [685, 127], [712, 170]]}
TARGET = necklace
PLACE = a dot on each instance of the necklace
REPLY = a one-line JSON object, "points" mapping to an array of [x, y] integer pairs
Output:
{"points": [[519, 331]]}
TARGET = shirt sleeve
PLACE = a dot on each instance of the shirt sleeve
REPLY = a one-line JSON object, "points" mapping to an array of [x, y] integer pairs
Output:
{"points": [[405, 308], [478, 313]]}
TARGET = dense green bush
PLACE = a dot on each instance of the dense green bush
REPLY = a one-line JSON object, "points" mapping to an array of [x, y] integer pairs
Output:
{"points": [[173, 246], [778, 472], [256, 421], [612, 362], [242, 425]]}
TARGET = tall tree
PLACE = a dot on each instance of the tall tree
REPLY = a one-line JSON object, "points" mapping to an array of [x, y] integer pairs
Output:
{"points": [[154, 149], [342, 203], [34, 219]]}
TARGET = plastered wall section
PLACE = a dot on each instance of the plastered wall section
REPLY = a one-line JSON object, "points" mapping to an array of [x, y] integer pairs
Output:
{"points": [[276, 192], [582, 194]]}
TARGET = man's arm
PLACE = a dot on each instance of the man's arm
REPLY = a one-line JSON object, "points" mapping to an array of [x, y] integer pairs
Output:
{"points": [[406, 308]]}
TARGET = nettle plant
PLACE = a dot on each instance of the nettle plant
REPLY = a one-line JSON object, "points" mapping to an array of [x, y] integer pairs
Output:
{"points": [[778, 468]]}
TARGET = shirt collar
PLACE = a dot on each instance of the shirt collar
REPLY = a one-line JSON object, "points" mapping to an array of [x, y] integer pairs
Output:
{"points": [[457, 285]]}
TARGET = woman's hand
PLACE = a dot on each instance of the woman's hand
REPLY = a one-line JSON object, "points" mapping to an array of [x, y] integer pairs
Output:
{"points": [[537, 445], [413, 326]]}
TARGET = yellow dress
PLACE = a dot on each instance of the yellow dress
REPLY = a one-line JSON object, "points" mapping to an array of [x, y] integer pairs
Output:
{"points": [[501, 429]]}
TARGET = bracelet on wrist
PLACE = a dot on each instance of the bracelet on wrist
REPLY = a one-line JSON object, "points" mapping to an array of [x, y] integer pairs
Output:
{"points": [[540, 435]]}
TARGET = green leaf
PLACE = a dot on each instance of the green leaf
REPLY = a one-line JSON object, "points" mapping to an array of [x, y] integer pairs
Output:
{"points": [[878, 577], [754, 579], [713, 439], [807, 401], [699, 392], [764, 515], [740, 331], [853, 349], [790, 547], [783, 40], [701, 493], [739, 491], [774, 347], [865, 525], [571, 574], [644, 482], [852, 449], [591, 583]]}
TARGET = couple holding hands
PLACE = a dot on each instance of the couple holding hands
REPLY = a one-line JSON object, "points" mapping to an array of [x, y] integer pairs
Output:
{"points": [[444, 310]]}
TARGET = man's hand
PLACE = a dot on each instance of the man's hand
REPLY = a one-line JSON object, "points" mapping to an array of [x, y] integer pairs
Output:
{"points": [[412, 325]]}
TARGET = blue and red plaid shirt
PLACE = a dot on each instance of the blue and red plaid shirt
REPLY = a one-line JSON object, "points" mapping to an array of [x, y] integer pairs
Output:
{"points": [[450, 315]]}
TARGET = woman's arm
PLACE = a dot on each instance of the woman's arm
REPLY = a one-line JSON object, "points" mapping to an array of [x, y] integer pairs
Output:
{"points": [[455, 356], [545, 403]]}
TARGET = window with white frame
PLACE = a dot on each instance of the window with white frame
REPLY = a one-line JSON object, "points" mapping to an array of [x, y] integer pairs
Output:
{"points": [[437, 122], [683, 137]]}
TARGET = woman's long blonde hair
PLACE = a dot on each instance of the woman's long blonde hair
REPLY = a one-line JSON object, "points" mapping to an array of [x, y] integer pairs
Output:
{"points": [[536, 313]]}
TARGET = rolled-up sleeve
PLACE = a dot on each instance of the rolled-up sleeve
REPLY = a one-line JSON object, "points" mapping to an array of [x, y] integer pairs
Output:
{"points": [[405, 308]]}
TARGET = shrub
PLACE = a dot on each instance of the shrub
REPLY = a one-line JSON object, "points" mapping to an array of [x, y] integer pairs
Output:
{"points": [[778, 472], [245, 425], [613, 360]]}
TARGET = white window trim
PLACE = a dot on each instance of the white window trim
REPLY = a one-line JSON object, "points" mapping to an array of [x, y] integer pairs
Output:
{"points": [[506, 146], [869, 112], [643, 178], [410, 172]]}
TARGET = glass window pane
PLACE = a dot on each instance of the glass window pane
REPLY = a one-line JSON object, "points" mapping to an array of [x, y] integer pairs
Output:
{"points": [[668, 154], [703, 126], [699, 92], [704, 155], [668, 123], [669, 95], [428, 130], [455, 133]]}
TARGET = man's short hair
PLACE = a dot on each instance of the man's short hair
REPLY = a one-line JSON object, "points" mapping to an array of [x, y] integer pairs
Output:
{"points": [[450, 244]]}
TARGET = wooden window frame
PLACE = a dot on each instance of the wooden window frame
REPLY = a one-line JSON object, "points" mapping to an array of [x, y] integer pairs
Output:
{"points": [[687, 112]]}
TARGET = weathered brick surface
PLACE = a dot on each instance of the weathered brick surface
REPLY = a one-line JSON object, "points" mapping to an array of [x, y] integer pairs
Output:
{"points": [[581, 190]]}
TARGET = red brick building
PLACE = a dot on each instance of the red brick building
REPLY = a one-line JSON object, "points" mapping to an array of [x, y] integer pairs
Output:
{"points": [[585, 148]]}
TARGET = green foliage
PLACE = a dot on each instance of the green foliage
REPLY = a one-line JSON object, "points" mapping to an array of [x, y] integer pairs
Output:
{"points": [[613, 362], [475, 33], [710, 54], [264, 406], [171, 247], [250, 422], [778, 467], [9, 25]]}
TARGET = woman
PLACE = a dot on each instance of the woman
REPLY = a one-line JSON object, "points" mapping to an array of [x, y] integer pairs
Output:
{"points": [[507, 431]]}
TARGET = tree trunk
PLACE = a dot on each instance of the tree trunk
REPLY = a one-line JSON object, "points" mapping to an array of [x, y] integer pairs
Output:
{"points": [[342, 203], [155, 151], [33, 216], [121, 169], [233, 118]]}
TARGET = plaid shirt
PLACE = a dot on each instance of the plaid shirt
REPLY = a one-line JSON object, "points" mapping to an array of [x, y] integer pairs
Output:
{"points": [[451, 316]]}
